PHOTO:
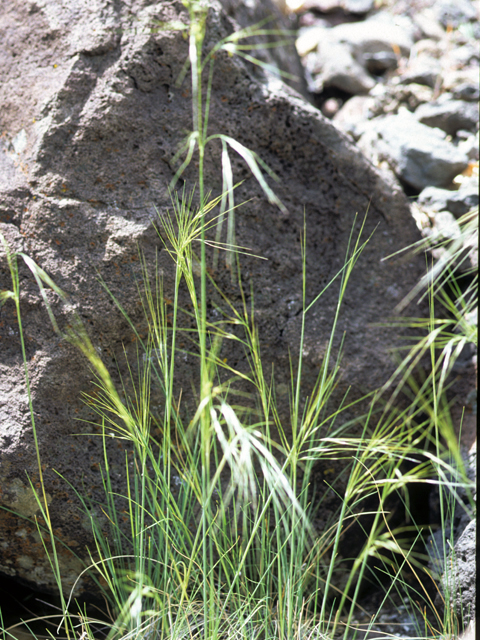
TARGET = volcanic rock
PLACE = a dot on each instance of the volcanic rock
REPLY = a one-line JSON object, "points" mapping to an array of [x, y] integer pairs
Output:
{"points": [[91, 120]]}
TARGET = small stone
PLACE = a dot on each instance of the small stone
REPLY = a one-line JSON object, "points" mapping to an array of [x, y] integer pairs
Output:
{"points": [[323, 6], [349, 6], [415, 94], [435, 198], [330, 107], [419, 155], [422, 70], [468, 193], [373, 36], [378, 63], [358, 6], [310, 19], [445, 226], [457, 202], [341, 70], [353, 114], [428, 24], [470, 145], [449, 115], [308, 39], [452, 13], [460, 57], [468, 91], [428, 47], [454, 77]]}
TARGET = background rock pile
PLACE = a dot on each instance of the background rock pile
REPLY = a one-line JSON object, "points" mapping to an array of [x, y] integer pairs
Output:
{"points": [[402, 79]]}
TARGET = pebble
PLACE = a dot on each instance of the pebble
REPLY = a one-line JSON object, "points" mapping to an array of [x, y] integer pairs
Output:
{"points": [[378, 34], [449, 115], [467, 91], [349, 6], [339, 68], [354, 113], [469, 144], [427, 22], [457, 202], [424, 70], [453, 13]]}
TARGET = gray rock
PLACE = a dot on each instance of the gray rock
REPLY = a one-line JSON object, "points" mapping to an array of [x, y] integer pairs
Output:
{"points": [[358, 6], [460, 580], [460, 57], [468, 193], [469, 144], [452, 549], [419, 155], [102, 120], [340, 69], [457, 202], [378, 63], [351, 117], [428, 23], [449, 115], [467, 91], [375, 35], [444, 226], [333, 64], [309, 38], [422, 70], [349, 6], [436, 199], [454, 12], [428, 47], [389, 98], [453, 78]]}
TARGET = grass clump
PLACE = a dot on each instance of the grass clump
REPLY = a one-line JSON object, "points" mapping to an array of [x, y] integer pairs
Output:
{"points": [[214, 536]]}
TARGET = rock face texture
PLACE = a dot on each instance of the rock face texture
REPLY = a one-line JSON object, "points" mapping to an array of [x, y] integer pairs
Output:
{"points": [[91, 120], [464, 580]]}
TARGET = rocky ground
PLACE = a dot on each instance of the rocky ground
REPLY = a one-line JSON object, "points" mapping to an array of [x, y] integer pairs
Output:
{"points": [[402, 79]]}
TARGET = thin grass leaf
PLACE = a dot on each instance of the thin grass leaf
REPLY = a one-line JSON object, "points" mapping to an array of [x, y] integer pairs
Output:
{"points": [[253, 162]]}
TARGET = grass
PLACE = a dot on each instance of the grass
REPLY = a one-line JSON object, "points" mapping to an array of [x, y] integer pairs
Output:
{"points": [[219, 540]]}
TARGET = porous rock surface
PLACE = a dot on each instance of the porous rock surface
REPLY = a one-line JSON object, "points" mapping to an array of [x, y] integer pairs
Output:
{"points": [[91, 120]]}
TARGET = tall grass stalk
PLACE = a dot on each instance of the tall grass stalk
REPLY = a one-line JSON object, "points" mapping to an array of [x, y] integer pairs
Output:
{"points": [[40, 496]]}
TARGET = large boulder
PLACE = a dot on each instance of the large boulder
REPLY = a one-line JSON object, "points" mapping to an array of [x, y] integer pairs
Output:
{"points": [[91, 119]]}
